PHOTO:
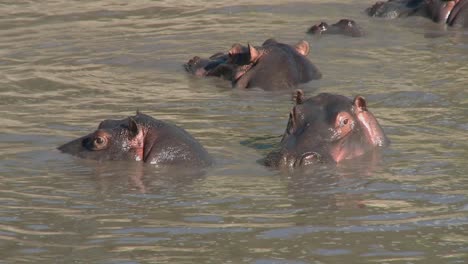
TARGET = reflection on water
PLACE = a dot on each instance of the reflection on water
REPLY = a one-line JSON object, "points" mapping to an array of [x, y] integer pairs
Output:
{"points": [[67, 65]]}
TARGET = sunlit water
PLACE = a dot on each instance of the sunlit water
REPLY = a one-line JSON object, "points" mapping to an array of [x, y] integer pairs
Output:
{"points": [[67, 65]]}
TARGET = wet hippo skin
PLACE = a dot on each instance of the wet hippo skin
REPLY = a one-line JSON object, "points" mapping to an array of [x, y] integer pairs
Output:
{"points": [[140, 138], [271, 66], [453, 13], [345, 27], [327, 128]]}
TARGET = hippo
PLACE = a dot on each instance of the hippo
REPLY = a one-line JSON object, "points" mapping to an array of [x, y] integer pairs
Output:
{"points": [[345, 27], [450, 12], [140, 138], [272, 66], [326, 128]]}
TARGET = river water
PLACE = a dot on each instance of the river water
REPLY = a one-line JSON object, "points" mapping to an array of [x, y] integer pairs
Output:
{"points": [[67, 65]]}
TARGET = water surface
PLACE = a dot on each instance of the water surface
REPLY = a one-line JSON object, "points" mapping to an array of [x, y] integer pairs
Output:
{"points": [[67, 65]]}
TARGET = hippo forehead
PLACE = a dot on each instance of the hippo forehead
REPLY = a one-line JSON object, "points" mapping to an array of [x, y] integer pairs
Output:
{"points": [[328, 105], [139, 118], [112, 123]]}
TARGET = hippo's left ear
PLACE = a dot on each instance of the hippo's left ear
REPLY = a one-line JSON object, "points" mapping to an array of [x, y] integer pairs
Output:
{"points": [[303, 47], [360, 104], [132, 127]]}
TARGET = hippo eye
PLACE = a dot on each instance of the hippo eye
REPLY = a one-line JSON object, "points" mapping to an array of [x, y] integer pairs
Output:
{"points": [[344, 121], [99, 143]]}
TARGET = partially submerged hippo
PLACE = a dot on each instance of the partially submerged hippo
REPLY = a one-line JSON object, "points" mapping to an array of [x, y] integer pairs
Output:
{"points": [[327, 128], [272, 66], [451, 12], [140, 138], [345, 27]]}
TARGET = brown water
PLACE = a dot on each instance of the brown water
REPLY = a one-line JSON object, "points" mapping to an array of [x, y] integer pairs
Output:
{"points": [[67, 65]]}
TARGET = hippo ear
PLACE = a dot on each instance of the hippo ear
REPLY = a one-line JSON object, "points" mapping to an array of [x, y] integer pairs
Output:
{"points": [[303, 47], [235, 49], [298, 96], [254, 53], [360, 104], [132, 127]]}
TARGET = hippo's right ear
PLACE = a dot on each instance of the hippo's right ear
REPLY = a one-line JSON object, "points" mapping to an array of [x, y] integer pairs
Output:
{"points": [[298, 96], [132, 127], [303, 47]]}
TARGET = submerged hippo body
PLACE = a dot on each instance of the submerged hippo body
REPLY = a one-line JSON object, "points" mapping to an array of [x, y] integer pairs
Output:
{"points": [[140, 138], [451, 12], [272, 66], [345, 27], [327, 128]]}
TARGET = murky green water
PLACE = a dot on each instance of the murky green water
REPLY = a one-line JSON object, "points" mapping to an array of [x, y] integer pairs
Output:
{"points": [[67, 65]]}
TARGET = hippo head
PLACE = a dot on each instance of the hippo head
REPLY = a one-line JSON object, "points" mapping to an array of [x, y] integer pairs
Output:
{"points": [[272, 66], [443, 11], [452, 12], [140, 138], [327, 128], [345, 27], [318, 28], [113, 140]]}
